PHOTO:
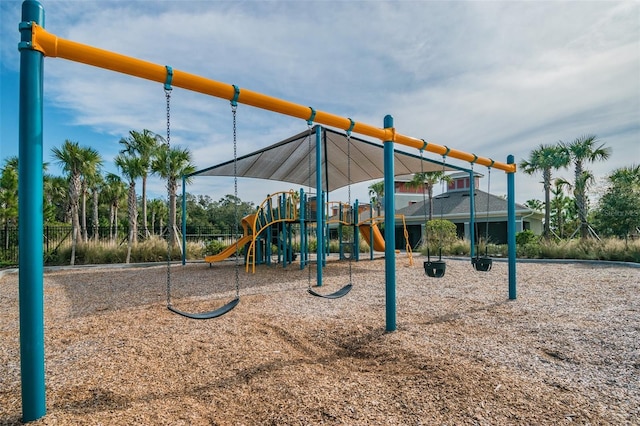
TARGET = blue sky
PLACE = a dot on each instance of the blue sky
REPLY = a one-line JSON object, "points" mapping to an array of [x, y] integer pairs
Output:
{"points": [[493, 78]]}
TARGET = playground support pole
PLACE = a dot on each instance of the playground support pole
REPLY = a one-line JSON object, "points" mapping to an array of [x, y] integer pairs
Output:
{"points": [[184, 221], [319, 208], [511, 228], [303, 229], [31, 282], [472, 216], [389, 230]]}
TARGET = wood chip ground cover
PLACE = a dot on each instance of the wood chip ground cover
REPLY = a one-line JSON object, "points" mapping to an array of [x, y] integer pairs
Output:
{"points": [[567, 351]]}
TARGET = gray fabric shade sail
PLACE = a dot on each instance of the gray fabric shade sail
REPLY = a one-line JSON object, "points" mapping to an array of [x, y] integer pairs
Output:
{"points": [[294, 161]]}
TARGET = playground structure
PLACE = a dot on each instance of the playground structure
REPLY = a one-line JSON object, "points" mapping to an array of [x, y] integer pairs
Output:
{"points": [[36, 43], [267, 226], [278, 223]]}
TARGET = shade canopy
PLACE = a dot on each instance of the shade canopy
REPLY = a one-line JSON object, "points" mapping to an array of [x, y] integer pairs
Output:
{"points": [[294, 160]]}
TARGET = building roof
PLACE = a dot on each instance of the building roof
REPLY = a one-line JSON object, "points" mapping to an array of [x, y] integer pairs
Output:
{"points": [[294, 160], [456, 204]]}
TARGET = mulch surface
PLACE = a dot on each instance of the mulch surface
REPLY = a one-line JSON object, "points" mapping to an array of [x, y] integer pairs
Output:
{"points": [[567, 351]]}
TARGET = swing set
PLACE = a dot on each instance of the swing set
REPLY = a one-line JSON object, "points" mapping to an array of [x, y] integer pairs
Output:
{"points": [[437, 268], [37, 43], [347, 288], [234, 302]]}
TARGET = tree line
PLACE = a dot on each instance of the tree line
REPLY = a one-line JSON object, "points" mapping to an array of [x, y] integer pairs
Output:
{"points": [[567, 204], [67, 198]]}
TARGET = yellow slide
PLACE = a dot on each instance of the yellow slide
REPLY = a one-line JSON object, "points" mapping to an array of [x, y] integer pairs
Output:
{"points": [[229, 251], [378, 239]]}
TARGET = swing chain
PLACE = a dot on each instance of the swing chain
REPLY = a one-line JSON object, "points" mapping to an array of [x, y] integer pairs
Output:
{"points": [[442, 186], [486, 232], [234, 108], [307, 209], [167, 92], [424, 195], [353, 213]]}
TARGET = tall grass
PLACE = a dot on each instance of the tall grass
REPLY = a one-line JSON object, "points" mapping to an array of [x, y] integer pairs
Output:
{"points": [[588, 249], [155, 250], [591, 249], [151, 250]]}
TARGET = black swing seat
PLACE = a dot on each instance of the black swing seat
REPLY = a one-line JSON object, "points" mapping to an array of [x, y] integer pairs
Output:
{"points": [[207, 315], [338, 294], [435, 268], [482, 264]]}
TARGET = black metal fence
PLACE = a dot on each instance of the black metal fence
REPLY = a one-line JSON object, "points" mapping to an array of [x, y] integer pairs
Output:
{"points": [[56, 237]]}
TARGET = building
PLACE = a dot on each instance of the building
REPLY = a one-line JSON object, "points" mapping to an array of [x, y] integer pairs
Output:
{"points": [[454, 205]]}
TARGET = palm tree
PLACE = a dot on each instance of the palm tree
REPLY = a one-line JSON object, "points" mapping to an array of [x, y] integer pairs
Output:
{"points": [[562, 208], [56, 202], [171, 164], [427, 181], [545, 159], [9, 195], [158, 209], [114, 191], [376, 193], [142, 145], [90, 171], [584, 150], [97, 186], [71, 157], [534, 204], [131, 168], [624, 176]]}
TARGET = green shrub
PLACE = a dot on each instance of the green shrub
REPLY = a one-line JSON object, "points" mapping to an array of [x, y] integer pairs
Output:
{"points": [[528, 250], [526, 237], [440, 233], [213, 247]]}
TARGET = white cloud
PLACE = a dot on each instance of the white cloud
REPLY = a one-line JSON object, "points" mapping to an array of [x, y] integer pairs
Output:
{"points": [[494, 78]]}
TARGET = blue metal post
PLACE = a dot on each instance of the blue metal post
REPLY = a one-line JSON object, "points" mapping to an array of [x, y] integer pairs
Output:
{"points": [[472, 210], [319, 208], [389, 230], [284, 234], [184, 221], [30, 217], [340, 219], [268, 236], [511, 228]]}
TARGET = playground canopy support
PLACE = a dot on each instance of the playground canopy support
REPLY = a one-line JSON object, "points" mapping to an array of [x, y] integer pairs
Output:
{"points": [[35, 43]]}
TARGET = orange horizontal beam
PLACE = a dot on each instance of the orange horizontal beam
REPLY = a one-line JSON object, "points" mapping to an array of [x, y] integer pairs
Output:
{"points": [[53, 46]]}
